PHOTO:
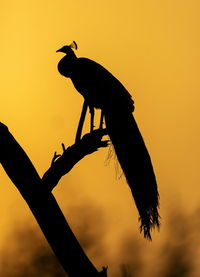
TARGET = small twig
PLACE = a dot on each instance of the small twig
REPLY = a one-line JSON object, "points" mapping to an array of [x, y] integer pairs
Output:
{"points": [[103, 273], [55, 158], [63, 147]]}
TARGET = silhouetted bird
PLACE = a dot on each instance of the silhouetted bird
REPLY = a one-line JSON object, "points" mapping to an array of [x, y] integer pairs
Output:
{"points": [[102, 90]]}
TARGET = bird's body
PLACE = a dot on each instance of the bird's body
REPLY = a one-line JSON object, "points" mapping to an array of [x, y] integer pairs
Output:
{"points": [[102, 90], [95, 83]]}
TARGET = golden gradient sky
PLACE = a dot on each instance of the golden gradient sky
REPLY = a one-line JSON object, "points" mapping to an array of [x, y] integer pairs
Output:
{"points": [[152, 47]]}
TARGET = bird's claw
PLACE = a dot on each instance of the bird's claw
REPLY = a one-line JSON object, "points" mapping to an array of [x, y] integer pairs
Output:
{"points": [[94, 140], [92, 128]]}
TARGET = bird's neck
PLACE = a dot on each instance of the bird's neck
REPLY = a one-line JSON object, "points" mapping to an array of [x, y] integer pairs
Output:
{"points": [[67, 64]]}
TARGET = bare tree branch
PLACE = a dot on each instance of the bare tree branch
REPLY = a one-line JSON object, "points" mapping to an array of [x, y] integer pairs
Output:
{"points": [[41, 201], [62, 164]]}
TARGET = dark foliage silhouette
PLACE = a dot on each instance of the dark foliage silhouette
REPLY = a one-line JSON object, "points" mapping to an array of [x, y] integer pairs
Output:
{"points": [[179, 249], [31, 256], [102, 90]]}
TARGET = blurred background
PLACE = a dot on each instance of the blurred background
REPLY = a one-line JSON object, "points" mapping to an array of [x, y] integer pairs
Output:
{"points": [[152, 47]]}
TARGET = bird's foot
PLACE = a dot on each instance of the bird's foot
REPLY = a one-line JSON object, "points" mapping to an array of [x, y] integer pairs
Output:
{"points": [[92, 128], [93, 140], [101, 125]]}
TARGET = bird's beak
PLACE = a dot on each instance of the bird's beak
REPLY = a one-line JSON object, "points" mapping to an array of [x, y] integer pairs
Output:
{"points": [[59, 50]]}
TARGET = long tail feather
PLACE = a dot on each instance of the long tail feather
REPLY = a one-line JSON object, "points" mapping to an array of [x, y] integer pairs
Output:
{"points": [[136, 164]]}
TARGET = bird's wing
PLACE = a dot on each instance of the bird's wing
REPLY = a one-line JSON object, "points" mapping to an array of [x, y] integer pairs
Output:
{"points": [[97, 84]]}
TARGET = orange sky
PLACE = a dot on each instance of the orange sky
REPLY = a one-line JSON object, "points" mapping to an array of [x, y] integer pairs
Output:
{"points": [[152, 47]]}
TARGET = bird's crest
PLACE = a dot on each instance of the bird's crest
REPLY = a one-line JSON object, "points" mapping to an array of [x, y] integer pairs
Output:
{"points": [[73, 45]]}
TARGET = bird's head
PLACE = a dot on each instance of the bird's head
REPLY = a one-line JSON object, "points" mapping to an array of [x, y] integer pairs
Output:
{"points": [[67, 49], [67, 63]]}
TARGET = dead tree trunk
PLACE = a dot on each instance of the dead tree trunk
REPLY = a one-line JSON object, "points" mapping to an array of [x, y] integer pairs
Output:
{"points": [[37, 194]]}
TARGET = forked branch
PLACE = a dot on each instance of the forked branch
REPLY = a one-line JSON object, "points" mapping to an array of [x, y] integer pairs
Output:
{"points": [[37, 194]]}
